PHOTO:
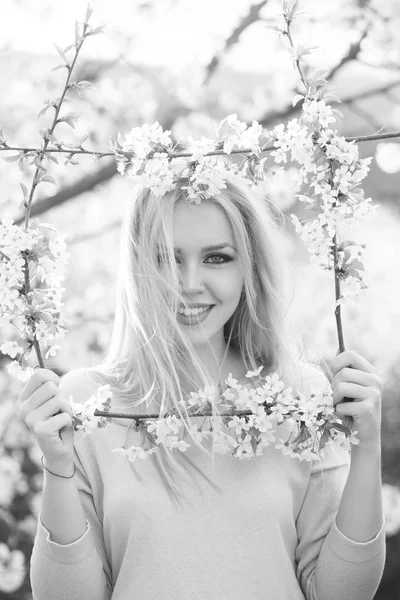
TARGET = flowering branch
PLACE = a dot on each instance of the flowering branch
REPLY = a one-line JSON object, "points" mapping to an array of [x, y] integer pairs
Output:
{"points": [[70, 149], [330, 174], [37, 251], [313, 91], [247, 422]]}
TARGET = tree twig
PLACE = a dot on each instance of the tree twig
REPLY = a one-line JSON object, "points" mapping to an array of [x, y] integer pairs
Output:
{"points": [[252, 16], [140, 416], [290, 110], [352, 54], [338, 314], [103, 174]]}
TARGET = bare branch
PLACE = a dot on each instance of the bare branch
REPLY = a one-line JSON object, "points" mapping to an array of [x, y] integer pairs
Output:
{"points": [[374, 137], [85, 184], [288, 112], [374, 92], [252, 16], [352, 54], [104, 173]]}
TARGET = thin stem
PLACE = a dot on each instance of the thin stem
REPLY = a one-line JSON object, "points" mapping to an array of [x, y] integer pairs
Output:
{"points": [[297, 59], [376, 136], [101, 413], [53, 125], [36, 344], [338, 314], [36, 181]]}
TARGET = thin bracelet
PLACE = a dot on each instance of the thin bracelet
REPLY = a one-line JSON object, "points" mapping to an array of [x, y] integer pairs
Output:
{"points": [[56, 474]]}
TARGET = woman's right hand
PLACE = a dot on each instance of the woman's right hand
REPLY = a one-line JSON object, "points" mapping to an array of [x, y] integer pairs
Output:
{"points": [[48, 415]]}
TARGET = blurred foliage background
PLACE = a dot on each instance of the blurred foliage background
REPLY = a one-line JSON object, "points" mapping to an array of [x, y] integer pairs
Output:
{"points": [[188, 64]]}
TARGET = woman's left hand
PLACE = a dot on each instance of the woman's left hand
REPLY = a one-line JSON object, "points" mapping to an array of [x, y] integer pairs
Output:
{"points": [[354, 377]]}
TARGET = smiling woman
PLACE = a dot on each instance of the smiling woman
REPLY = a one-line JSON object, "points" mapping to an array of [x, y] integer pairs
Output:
{"points": [[195, 524], [197, 229], [222, 253]]}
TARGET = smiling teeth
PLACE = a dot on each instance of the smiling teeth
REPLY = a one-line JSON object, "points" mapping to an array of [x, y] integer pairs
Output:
{"points": [[193, 311]]}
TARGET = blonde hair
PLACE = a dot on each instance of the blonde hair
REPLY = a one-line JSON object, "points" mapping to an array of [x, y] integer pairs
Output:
{"points": [[145, 362]]}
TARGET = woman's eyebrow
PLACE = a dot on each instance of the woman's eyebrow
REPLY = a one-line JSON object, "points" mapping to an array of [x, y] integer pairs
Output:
{"points": [[215, 247]]}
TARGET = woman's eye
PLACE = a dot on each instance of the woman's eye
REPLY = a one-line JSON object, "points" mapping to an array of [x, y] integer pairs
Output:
{"points": [[222, 256], [223, 259]]}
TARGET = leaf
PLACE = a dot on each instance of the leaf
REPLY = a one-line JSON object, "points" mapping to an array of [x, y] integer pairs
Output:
{"points": [[71, 115], [324, 438], [11, 158], [319, 74], [305, 50], [21, 164], [24, 189], [49, 179], [69, 160], [58, 67], [341, 428], [52, 158], [44, 110], [61, 53], [38, 163], [69, 118], [275, 28], [69, 122], [347, 243], [77, 35], [356, 264], [332, 98], [52, 138], [82, 84], [85, 137], [89, 12], [99, 29], [69, 47], [354, 273]]}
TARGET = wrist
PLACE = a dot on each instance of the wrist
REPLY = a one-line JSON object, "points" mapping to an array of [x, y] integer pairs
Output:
{"points": [[64, 468], [370, 449]]}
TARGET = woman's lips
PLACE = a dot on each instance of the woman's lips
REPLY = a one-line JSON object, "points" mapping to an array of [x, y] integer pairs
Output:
{"points": [[194, 319]]}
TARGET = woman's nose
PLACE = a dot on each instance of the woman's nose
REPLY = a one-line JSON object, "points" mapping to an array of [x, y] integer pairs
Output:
{"points": [[192, 278]]}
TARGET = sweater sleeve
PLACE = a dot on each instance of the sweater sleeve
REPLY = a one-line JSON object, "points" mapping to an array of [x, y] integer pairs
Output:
{"points": [[79, 570], [329, 564]]}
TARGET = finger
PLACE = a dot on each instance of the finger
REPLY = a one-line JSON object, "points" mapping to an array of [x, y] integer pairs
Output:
{"points": [[47, 390], [44, 393], [349, 390], [52, 425], [349, 409], [44, 412], [357, 409], [350, 375], [38, 378], [350, 358]]}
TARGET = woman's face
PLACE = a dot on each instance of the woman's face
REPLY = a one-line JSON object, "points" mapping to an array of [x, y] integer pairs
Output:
{"points": [[208, 276]]}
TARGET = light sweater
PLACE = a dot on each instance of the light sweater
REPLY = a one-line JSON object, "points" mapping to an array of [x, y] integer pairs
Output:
{"points": [[270, 535]]}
